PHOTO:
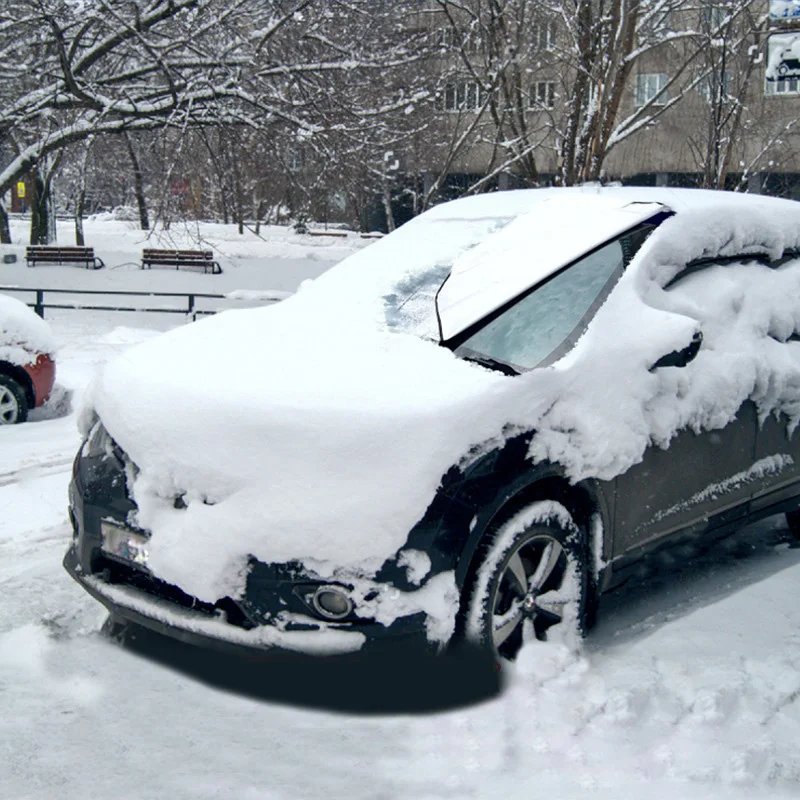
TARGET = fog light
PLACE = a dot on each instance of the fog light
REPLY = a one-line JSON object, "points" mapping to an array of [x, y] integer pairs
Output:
{"points": [[332, 602]]}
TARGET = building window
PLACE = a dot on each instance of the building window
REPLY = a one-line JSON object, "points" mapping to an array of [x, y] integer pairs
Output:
{"points": [[543, 35], [543, 95], [294, 160], [450, 38], [462, 96], [446, 37], [715, 16], [650, 88], [790, 86], [708, 86]]}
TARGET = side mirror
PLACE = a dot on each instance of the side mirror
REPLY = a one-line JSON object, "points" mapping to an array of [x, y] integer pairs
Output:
{"points": [[680, 358]]}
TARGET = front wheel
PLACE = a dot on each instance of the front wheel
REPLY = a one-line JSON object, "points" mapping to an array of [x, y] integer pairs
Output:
{"points": [[793, 520], [13, 404], [533, 576]]}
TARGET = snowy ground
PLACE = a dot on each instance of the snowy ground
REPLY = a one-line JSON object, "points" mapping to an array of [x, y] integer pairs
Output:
{"points": [[687, 688]]}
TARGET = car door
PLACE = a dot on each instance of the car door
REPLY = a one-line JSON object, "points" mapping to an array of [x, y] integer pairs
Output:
{"points": [[703, 478], [681, 487], [777, 459]]}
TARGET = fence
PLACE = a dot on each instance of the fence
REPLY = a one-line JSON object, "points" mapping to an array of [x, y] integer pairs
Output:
{"points": [[189, 309]]}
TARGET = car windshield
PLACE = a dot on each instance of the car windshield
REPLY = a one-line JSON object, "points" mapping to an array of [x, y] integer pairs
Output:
{"points": [[541, 326]]}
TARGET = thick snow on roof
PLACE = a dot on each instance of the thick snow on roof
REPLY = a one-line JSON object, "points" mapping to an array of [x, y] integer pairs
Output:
{"points": [[319, 429], [23, 335], [534, 245]]}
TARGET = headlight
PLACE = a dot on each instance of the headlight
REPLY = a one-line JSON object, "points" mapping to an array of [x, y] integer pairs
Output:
{"points": [[98, 443], [332, 602]]}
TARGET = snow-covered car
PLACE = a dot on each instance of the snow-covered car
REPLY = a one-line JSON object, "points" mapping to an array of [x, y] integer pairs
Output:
{"points": [[27, 360], [470, 429]]}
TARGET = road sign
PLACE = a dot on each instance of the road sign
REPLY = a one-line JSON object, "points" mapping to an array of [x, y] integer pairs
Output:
{"points": [[784, 9], [783, 57]]}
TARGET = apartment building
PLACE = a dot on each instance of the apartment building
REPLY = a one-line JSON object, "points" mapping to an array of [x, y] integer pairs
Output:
{"points": [[691, 94]]}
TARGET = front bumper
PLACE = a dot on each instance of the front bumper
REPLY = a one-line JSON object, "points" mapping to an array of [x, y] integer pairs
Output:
{"points": [[205, 628], [269, 616]]}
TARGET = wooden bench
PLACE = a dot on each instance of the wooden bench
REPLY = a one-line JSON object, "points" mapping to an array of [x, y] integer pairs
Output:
{"points": [[340, 234], [192, 259], [44, 254]]}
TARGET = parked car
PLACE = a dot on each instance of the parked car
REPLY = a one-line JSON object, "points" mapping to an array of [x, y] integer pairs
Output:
{"points": [[27, 365], [469, 430]]}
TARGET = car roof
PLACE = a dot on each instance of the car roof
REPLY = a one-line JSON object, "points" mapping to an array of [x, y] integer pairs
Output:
{"points": [[542, 230]]}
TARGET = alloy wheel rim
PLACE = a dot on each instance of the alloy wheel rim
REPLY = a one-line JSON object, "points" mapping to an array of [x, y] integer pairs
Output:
{"points": [[9, 408], [527, 590]]}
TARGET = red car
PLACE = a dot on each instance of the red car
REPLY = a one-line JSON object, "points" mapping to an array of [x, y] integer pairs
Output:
{"points": [[27, 366]]}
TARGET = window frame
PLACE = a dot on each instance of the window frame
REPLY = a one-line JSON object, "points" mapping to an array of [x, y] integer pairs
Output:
{"points": [[544, 35], [771, 88], [658, 98], [461, 95], [549, 102], [704, 86], [701, 264], [716, 15]]}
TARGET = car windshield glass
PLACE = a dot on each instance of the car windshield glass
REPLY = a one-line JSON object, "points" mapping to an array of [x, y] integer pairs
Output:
{"points": [[544, 324]]}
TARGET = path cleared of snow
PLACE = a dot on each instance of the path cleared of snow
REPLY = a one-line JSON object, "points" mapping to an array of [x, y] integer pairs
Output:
{"points": [[687, 688]]}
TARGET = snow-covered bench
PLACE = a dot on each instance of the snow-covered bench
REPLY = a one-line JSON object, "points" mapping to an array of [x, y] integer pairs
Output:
{"points": [[198, 259], [43, 254]]}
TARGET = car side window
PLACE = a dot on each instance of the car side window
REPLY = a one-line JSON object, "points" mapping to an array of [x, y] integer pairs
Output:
{"points": [[545, 324]]}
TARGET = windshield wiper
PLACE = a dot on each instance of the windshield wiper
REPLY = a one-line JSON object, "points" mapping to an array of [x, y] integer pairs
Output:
{"points": [[491, 363]]}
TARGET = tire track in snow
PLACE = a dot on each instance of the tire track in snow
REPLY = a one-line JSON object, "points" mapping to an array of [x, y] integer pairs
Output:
{"points": [[51, 466]]}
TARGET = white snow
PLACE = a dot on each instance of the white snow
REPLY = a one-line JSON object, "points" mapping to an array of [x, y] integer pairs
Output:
{"points": [[688, 688], [417, 564], [23, 335]]}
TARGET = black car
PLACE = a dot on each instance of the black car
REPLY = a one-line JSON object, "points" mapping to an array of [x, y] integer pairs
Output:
{"points": [[619, 369]]}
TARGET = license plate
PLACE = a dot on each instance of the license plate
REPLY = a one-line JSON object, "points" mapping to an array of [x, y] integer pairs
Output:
{"points": [[124, 543]]}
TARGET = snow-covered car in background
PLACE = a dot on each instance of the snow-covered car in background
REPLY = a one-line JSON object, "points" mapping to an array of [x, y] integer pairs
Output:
{"points": [[471, 429], [27, 365]]}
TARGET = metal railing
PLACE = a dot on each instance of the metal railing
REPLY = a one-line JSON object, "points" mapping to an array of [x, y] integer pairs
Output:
{"points": [[190, 309]]}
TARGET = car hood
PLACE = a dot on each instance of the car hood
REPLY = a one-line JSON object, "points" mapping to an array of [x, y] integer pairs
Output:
{"points": [[287, 441]]}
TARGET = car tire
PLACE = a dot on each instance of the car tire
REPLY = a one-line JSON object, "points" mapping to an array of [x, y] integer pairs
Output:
{"points": [[13, 403], [793, 521], [533, 575]]}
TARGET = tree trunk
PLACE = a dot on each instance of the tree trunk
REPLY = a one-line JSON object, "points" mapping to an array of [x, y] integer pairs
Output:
{"points": [[5, 233], [387, 206], [79, 201], [40, 228], [138, 186]]}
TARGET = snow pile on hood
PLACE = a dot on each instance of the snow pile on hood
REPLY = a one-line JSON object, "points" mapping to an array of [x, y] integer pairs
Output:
{"points": [[319, 429], [286, 442], [23, 334]]}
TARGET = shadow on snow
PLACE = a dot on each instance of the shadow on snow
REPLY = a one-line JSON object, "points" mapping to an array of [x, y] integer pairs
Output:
{"points": [[394, 681]]}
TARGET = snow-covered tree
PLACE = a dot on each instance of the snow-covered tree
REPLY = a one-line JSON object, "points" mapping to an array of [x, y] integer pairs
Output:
{"points": [[570, 80], [91, 68]]}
